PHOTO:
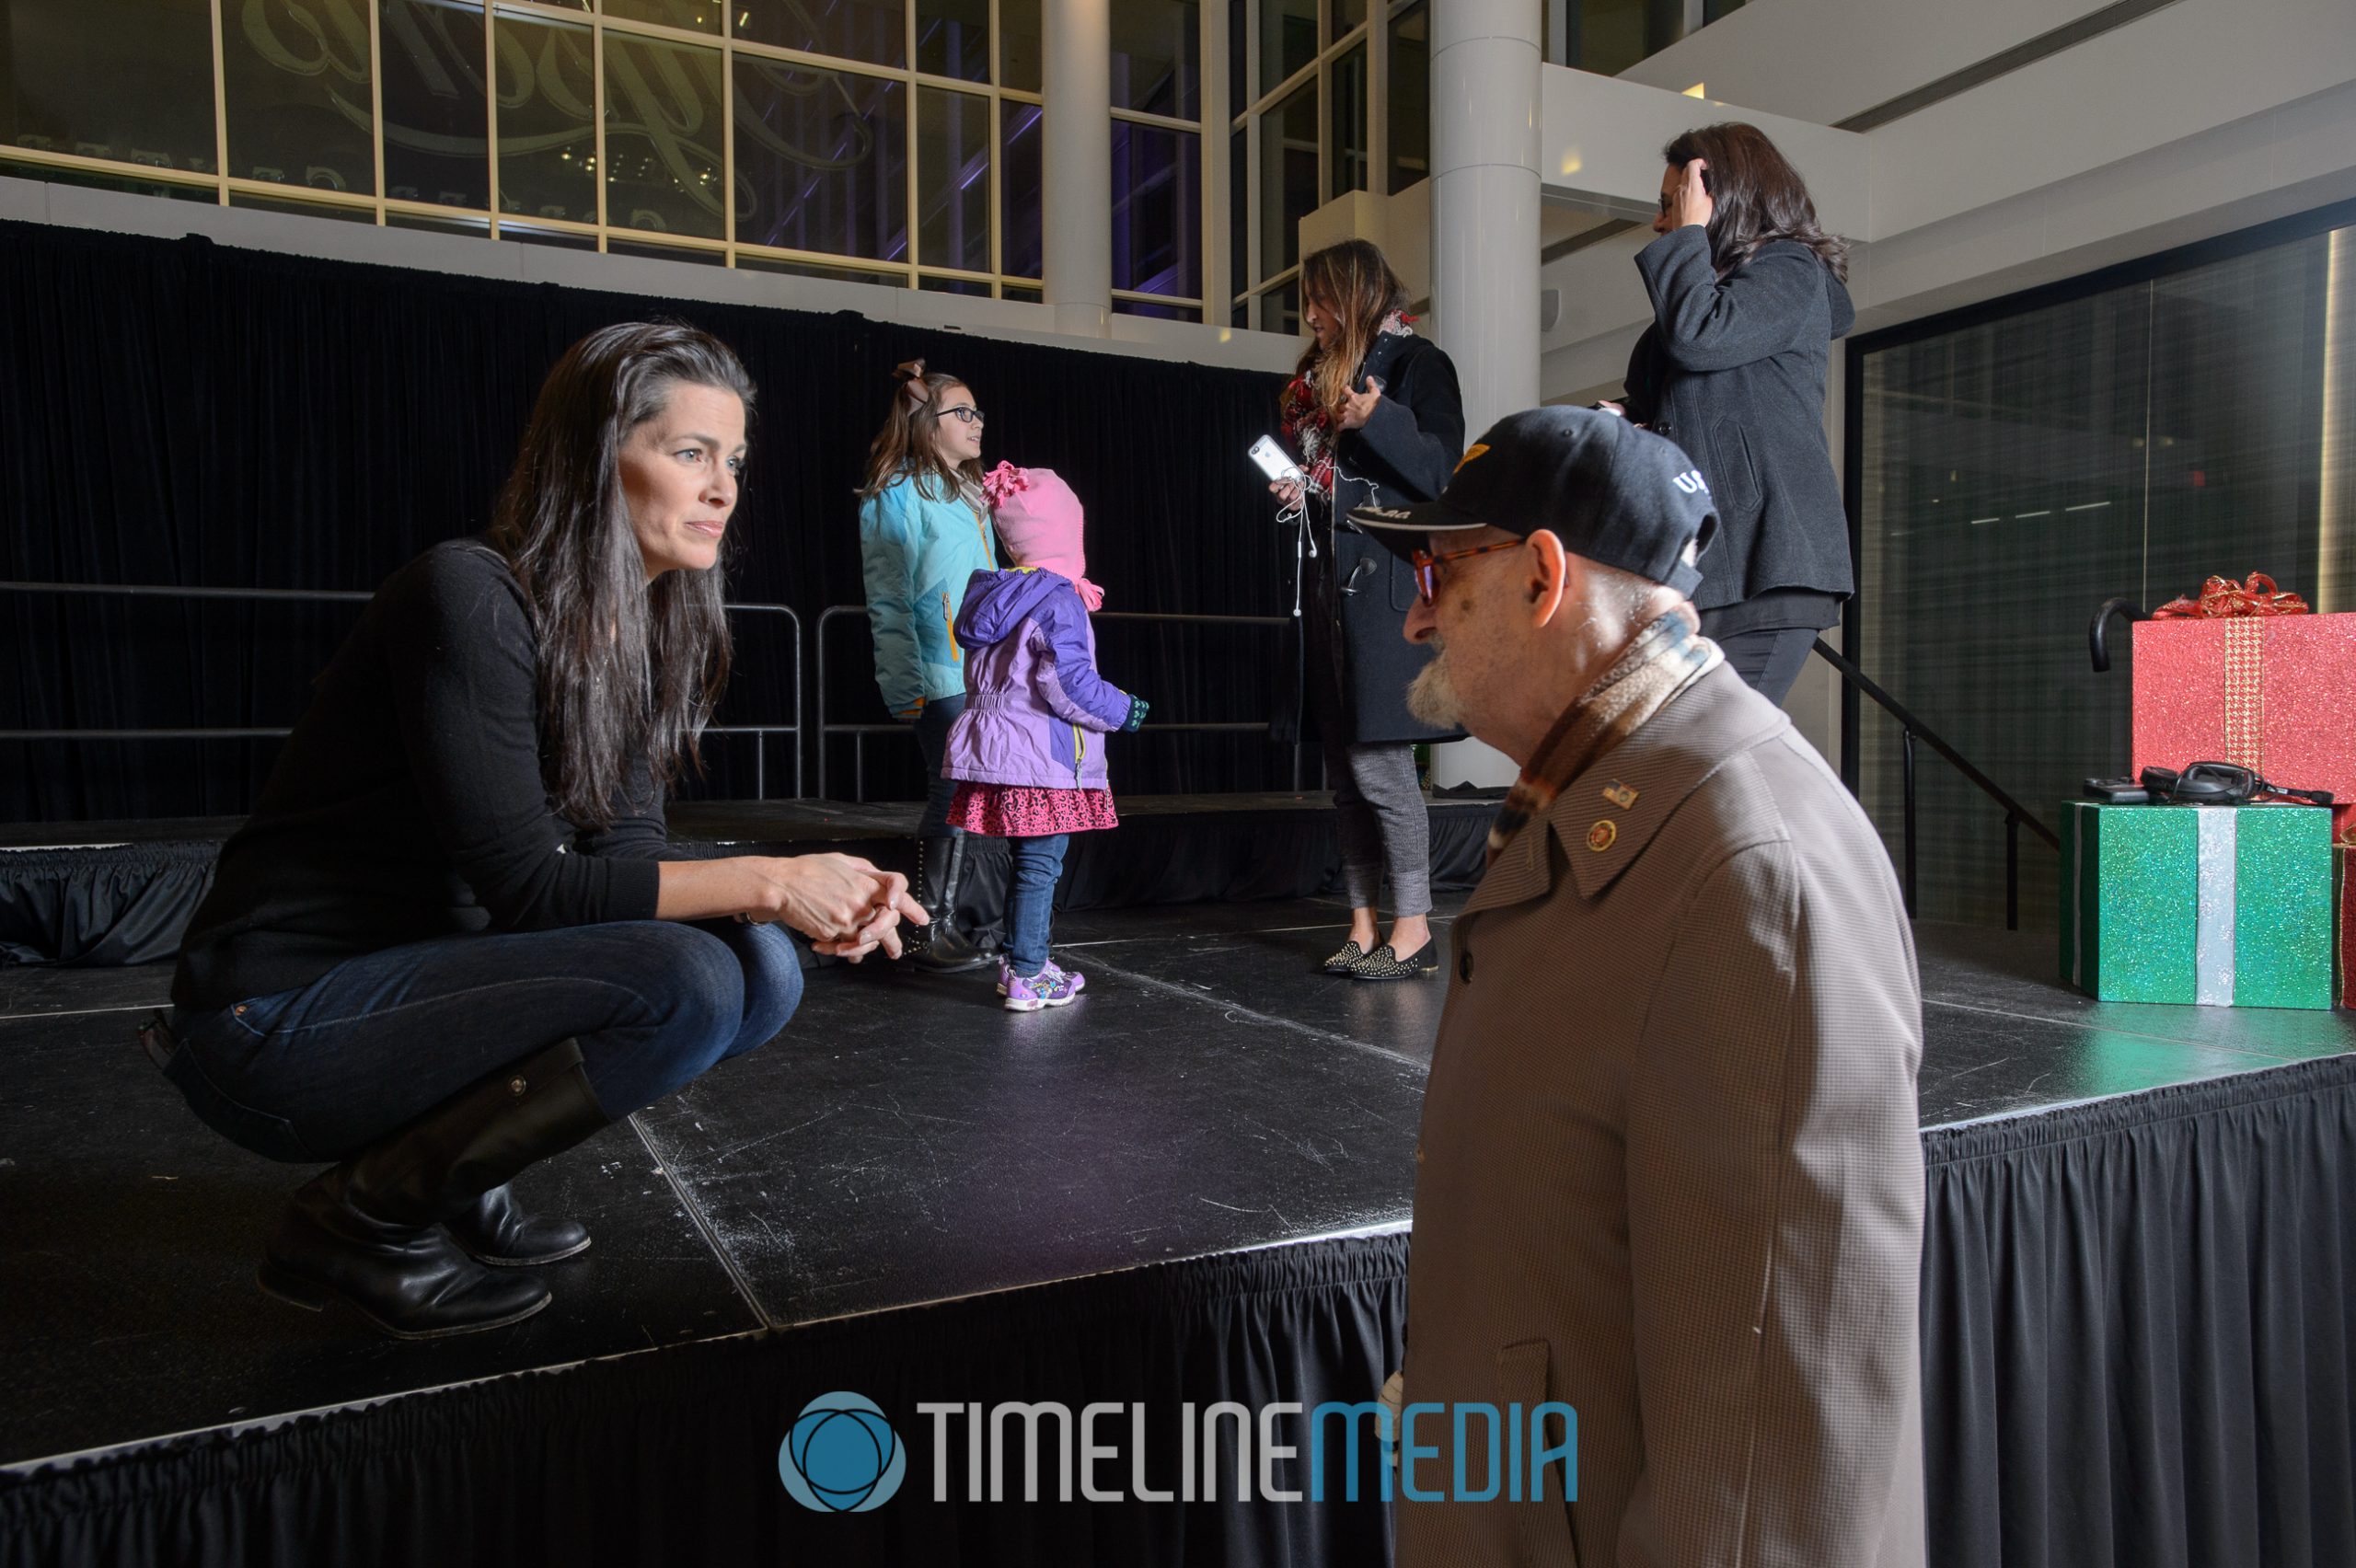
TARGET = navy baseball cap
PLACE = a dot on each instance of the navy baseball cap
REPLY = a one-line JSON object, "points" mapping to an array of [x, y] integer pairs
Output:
{"points": [[1612, 492]]}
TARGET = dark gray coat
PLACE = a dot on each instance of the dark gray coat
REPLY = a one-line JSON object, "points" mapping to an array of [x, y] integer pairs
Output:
{"points": [[1356, 594], [1732, 370]]}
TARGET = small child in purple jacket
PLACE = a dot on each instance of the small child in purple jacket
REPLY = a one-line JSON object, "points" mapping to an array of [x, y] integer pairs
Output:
{"points": [[1028, 771]]}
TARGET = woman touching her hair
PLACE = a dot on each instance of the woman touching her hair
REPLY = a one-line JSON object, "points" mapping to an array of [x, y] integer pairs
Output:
{"points": [[1748, 294]]}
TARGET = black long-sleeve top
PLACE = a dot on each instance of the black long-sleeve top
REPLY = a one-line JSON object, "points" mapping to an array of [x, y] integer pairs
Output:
{"points": [[408, 803]]}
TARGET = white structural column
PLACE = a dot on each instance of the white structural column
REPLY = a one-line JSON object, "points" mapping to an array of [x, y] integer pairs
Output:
{"points": [[1078, 231], [1485, 199], [1486, 112]]}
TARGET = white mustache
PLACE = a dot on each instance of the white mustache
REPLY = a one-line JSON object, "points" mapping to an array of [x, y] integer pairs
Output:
{"points": [[1432, 696]]}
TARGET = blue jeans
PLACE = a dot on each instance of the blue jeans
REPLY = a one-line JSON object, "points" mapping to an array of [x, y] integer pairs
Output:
{"points": [[933, 740], [322, 1071], [1030, 900]]}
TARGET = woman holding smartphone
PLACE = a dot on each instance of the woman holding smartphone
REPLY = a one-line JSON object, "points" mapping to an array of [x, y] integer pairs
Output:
{"points": [[1748, 295], [1375, 417]]}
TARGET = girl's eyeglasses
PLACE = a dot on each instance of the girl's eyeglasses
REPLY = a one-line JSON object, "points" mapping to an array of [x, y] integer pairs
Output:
{"points": [[1426, 565], [966, 412]]}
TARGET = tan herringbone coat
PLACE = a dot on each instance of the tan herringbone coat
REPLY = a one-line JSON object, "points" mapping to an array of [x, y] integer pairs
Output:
{"points": [[1670, 1171]]}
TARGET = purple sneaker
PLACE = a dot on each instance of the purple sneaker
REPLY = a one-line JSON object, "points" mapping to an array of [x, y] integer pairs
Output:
{"points": [[1051, 988]]}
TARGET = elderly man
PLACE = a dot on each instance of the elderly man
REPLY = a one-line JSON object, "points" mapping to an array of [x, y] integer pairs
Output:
{"points": [[1670, 1172]]}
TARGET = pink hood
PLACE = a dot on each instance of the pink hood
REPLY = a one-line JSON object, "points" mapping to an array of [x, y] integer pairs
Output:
{"points": [[1041, 524]]}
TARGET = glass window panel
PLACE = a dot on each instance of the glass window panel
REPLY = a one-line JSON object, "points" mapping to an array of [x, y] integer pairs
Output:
{"points": [[1022, 182], [302, 209], [2128, 443], [547, 144], [931, 284], [1287, 178], [1410, 98], [872, 31], [821, 161], [129, 184], [1238, 93], [437, 125], [663, 252], [1713, 9], [1609, 36], [953, 180], [298, 83], [1288, 40], [696, 15], [127, 79], [1022, 54], [1348, 14], [1034, 296], [477, 228], [1238, 212], [954, 38], [1157, 55], [1159, 312], [807, 269], [663, 137], [1346, 95], [555, 239], [1280, 310], [1157, 210]]}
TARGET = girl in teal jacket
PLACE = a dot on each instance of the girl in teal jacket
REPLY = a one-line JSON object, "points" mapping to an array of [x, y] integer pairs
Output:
{"points": [[924, 529]]}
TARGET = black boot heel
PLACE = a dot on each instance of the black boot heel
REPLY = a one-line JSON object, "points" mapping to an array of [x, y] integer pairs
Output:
{"points": [[368, 1235]]}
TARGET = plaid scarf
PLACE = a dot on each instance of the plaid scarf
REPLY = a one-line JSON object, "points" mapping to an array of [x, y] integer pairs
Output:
{"points": [[1667, 655]]}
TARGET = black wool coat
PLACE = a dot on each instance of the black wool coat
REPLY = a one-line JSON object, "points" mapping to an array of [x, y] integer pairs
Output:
{"points": [[1732, 370], [1356, 593]]}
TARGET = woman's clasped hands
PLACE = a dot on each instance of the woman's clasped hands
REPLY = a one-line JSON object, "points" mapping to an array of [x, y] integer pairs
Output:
{"points": [[843, 904]]}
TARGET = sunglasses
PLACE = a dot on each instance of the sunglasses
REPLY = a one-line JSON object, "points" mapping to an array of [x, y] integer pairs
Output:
{"points": [[1426, 565], [966, 412]]}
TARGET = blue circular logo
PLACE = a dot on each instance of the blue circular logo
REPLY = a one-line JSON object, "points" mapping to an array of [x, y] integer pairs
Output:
{"points": [[842, 1457]]}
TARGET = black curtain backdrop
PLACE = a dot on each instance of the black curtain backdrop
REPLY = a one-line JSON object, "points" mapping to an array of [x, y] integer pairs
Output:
{"points": [[2137, 1318], [174, 411]]}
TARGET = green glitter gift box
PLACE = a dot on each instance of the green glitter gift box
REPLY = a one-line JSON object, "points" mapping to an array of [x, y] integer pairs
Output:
{"points": [[2223, 905]]}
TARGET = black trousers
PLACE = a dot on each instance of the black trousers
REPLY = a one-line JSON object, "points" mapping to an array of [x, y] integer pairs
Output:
{"points": [[1769, 659]]}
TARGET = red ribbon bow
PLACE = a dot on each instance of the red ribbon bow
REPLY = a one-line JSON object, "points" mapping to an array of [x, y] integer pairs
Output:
{"points": [[2222, 597]]}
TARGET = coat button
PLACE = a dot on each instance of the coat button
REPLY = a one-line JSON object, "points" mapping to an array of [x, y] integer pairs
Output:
{"points": [[516, 1085], [1464, 966]]}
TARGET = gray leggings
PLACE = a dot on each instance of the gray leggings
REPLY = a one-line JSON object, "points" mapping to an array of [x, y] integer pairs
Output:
{"points": [[1384, 825]]}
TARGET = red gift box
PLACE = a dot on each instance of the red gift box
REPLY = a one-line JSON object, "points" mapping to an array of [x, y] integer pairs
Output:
{"points": [[2274, 693]]}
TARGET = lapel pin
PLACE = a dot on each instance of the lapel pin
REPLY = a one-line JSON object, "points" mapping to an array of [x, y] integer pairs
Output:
{"points": [[1603, 834], [1618, 794]]}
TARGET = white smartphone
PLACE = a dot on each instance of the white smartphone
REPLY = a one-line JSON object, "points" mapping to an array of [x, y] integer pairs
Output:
{"points": [[1272, 462]]}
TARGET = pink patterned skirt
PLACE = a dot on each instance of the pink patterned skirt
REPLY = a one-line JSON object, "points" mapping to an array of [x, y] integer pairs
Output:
{"points": [[1023, 810]]}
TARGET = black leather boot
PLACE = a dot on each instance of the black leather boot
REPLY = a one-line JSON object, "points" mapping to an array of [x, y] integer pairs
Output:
{"points": [[368, 1234], [494, 1230], [941, 947]]}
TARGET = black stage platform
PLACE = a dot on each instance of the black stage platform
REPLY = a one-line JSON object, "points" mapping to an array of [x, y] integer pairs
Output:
{"points": [[1130, 1194]]}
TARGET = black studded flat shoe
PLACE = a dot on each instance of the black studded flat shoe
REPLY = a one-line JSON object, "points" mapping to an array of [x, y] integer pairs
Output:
{"points": [[1346, 960], [1384, 964]]}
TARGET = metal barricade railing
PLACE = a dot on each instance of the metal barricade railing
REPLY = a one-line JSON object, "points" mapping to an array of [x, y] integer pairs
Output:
{"points": [[327, 595], [859, 732]]}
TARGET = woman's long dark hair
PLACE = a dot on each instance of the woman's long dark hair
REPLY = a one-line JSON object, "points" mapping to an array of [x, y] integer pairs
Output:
{"points": [[1354, 281], [1759, 197], [626, 669]]}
